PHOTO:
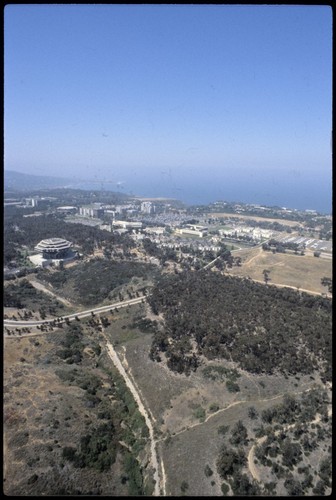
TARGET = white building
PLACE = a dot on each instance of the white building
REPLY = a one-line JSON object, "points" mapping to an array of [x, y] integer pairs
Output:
{"points": [[147, 207], [127, 224], [194, 230], [154, 230]]}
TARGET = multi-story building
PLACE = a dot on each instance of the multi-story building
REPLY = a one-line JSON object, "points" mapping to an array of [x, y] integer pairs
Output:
{"points": [[147, 207], [91, 211]]}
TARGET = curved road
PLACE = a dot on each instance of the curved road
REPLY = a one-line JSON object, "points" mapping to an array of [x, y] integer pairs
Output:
{"points": [[71, 317]]}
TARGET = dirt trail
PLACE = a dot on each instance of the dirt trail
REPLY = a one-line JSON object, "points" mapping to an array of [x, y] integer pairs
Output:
{"points": [[43, 288], [248, 262], [281, 285], [250, 459], [154, 459]]}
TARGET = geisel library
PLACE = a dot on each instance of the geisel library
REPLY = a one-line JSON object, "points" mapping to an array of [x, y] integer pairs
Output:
{"points": [[53, 251]]}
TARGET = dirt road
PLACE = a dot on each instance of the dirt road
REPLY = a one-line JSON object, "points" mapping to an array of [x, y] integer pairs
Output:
{"points": [[43, 288], [154, 459]]}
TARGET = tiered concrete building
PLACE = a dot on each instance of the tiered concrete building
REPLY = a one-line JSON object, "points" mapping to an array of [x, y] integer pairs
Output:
{"points": [[53, 251]]}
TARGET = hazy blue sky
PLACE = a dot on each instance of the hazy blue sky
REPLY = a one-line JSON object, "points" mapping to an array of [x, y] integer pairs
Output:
{"points": [[172, 96]]}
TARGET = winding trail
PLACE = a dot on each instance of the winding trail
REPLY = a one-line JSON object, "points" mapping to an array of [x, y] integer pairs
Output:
{"points": [[159, 483], [221, 410], [250, 459]]}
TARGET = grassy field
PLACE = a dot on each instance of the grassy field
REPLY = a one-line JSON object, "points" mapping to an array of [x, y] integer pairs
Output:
{"points": [[304, 272]]}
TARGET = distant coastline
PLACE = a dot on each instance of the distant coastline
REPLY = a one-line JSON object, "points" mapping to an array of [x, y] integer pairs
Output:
{"points": [[297, 194]]}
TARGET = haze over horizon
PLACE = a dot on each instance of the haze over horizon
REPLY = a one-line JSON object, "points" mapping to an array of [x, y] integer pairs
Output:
{"points": [[196, 102]]}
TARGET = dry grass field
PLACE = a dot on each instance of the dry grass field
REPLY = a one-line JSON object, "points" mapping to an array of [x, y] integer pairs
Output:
{"points": [[188, 443], [303, 272], [43, 414], [253, 217]]}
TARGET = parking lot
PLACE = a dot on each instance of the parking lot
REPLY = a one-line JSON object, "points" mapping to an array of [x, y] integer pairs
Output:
{"points": [[310, 243]]}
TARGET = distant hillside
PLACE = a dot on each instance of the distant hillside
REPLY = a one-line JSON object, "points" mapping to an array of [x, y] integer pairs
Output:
{"points": [[18, 181], [24, 182]]}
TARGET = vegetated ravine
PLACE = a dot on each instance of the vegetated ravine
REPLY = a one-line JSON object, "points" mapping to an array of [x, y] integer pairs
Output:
{"points": [[261, 327]]}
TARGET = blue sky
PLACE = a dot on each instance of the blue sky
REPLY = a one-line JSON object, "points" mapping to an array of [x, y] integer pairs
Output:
{"points": [[159, 96]]}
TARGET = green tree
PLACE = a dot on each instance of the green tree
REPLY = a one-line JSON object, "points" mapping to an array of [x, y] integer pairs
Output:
{"points": [[252, 413], [266, 275], [184, 486], [293, 487], [230, 460], [208, 471], [239, 434], [291, 452], [327, 282]]}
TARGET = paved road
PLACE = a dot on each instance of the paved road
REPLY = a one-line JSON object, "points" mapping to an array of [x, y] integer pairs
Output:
{"points": [[71, 317]]}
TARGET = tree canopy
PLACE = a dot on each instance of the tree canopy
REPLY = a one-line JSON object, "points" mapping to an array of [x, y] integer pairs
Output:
{"points": [[262, 328]]}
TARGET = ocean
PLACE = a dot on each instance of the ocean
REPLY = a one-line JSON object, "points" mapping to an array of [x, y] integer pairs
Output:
{"points": [[291, 191]]}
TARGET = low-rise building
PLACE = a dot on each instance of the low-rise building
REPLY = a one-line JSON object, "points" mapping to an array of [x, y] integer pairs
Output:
{"points": [[126, 224], [194, 230], [67, 210]]}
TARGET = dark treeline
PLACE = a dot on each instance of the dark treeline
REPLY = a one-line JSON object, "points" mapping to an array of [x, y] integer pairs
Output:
{"points": [[59, 196], [89, 283], [263, 328], [24, 295], [281, 246]]}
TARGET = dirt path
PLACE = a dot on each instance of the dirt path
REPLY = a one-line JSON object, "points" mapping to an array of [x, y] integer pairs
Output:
{"points": [[43, 288], [250, 459], [221, 410], [281, 285], [248, 262], [153, 459]]}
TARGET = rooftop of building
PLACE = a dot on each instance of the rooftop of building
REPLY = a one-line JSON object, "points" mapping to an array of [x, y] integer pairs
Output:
{"points": [[53, 244]]}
